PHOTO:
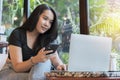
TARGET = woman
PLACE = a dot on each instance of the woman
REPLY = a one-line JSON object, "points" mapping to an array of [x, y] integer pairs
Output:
{"points": [[27, 44]]}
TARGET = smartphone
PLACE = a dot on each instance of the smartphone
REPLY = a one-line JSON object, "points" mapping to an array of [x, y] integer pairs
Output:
{"points": [[51, 47]]}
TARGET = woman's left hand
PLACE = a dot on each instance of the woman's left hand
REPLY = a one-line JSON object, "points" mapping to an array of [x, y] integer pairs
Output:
{"points": [[61, 67]]}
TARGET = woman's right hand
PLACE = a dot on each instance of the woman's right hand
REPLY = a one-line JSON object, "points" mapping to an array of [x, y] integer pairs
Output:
{"points": [[41, 56]]}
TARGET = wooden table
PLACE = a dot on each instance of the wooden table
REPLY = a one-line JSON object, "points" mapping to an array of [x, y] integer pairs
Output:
{"points": [[65, 78], [3, 44], [67, 75]]}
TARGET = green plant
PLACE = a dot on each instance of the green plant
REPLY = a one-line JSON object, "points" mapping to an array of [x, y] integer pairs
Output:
{"points": [[65, 57]]}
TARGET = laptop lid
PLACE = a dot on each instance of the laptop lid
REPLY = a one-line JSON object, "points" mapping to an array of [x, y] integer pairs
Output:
{"points": [[89, 53]]}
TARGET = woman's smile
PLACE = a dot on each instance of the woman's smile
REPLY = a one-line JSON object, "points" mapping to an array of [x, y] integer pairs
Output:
{"points": [[44, 28]]}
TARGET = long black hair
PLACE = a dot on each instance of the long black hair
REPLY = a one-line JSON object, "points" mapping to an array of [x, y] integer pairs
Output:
{"points": [[30, 24]]}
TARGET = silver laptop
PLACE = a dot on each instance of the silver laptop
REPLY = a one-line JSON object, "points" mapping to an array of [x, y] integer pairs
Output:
{"points": [[89, 53]]}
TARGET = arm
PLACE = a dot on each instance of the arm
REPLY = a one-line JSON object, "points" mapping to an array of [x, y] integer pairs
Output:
{"points": [[21, 66], [16, 59], [15, 51], [55, 59]]}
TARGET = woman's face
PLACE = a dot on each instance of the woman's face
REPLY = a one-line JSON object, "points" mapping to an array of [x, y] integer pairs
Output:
{"points": [[45, 21]]}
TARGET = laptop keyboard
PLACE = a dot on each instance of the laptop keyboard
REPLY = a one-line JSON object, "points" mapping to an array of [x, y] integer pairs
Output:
{"points": [[114, 73]]}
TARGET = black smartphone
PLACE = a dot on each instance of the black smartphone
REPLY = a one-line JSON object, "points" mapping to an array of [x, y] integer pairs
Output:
{"points": [[51, 47]]}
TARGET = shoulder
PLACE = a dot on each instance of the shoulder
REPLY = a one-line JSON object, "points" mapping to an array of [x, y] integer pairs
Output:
{"points": [[17, 37], [18, 31]]}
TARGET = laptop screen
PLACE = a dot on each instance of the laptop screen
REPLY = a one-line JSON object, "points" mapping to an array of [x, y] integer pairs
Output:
{"points": [[89, 53]]}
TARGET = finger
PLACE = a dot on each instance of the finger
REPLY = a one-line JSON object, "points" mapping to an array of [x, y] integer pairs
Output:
{"points": [[64, 67], [42, 49], [48, 51], [59, 68]]}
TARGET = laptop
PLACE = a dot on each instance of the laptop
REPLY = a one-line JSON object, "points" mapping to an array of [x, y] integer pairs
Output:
{"points": [[89, 53]]}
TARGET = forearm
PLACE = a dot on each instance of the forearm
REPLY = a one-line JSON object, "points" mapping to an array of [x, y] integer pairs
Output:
{"points": [[23, 66], [56, 60]]}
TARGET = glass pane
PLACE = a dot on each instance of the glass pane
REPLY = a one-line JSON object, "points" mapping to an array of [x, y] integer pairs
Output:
{"points": [[104, 21], [12, 14], [68, 17]]}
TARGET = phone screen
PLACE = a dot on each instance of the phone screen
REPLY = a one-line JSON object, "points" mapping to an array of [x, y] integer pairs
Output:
{"points": [[52, 47]]}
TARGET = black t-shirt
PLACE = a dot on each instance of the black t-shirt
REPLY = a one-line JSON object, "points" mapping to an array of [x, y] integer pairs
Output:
{"points": [[18, 38]]}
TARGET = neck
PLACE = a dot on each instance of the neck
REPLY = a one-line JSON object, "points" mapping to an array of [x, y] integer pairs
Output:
{"points": [[34, 33]]}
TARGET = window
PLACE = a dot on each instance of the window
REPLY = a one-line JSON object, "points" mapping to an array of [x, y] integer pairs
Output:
{"points": [[12, 14], [104, 20]]}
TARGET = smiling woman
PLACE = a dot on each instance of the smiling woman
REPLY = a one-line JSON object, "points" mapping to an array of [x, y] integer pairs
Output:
{"points": [[27, 46], [45, 21]]}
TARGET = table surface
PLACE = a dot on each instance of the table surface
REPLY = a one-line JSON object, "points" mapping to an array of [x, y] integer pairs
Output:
{"points": [[3, 44], [65, 78], [66, 75]]}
